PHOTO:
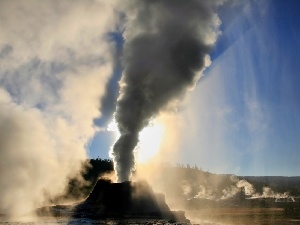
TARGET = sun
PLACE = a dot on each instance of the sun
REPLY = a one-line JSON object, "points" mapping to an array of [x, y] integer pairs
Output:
{"points": [[150, 141]]}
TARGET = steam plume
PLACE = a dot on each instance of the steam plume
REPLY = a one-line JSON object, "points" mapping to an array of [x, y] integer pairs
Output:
{"points": [[54, 65], [166, 47]]}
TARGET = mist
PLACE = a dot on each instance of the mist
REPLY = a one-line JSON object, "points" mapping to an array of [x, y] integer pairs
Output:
{"points": [[55, 62]]}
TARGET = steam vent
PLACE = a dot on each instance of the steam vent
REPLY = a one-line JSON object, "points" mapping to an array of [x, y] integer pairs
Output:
{"points": [[126, 200]]}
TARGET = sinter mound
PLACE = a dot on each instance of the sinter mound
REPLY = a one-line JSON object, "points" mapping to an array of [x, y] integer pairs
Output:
{"points": [[126, 200]]}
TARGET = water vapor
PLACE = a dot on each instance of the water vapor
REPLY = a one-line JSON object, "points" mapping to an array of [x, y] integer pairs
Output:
{"points": [[238, 185], [55, 61], [166, 49]]}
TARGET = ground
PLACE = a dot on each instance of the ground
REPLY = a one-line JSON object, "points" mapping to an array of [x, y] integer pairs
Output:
{"points": [[241, 216], [213, 216]]}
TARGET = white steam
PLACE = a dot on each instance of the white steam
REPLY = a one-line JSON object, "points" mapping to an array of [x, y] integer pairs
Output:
{"points": [[206, 192], [55, 61], [237, 187], [209, 191]]}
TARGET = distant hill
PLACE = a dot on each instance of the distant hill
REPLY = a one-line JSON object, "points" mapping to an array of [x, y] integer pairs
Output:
{"points": [[185, 182]]}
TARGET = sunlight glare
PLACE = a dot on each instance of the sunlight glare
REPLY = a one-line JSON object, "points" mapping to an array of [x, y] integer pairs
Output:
{"points": [[113, 127], [150, 141]]}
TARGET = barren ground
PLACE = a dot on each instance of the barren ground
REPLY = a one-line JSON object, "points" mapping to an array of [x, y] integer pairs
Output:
{"points": [[241, 216]]}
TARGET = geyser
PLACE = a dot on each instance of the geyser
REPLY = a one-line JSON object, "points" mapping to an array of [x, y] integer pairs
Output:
{"points": [[166, 49], [126, 200]]}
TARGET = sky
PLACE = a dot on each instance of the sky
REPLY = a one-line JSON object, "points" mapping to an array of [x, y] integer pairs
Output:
{"points": [[251, 120], [244, 115]]}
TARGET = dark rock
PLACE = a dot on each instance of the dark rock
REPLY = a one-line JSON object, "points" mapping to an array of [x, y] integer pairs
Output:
{"points": [[126, 200]]}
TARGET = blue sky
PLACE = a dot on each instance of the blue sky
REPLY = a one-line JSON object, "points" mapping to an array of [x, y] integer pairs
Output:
{"points": [[246, 108], [259, 79]]}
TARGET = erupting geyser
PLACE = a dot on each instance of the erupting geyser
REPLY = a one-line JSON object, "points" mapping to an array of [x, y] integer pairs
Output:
{"points": [[166, 49]]}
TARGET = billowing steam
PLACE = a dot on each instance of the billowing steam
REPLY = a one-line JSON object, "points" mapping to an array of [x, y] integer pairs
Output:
{"points": [[54, 64], [234, 189], [165, 52], [208, 191]]}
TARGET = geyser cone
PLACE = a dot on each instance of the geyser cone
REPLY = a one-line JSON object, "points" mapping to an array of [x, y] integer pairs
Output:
{"points": [[125, 200]]}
